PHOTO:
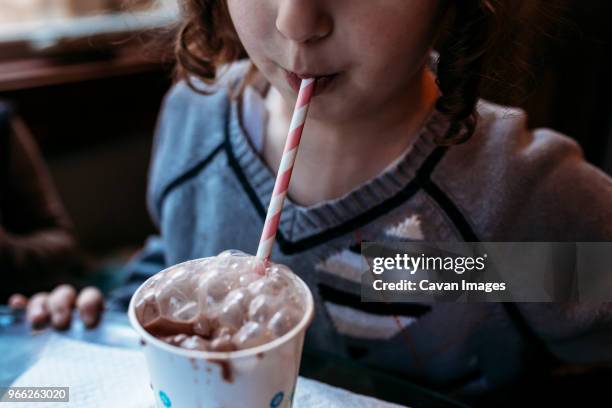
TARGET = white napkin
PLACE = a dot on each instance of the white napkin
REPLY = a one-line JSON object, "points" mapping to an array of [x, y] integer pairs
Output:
{"points": [[101, 376]]}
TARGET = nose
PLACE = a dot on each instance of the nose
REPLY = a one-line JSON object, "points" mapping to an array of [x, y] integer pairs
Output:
{"points": [[303, 21]]}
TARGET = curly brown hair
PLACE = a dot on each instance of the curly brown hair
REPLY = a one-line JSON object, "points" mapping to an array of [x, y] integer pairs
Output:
{"points": [[468, 48]]}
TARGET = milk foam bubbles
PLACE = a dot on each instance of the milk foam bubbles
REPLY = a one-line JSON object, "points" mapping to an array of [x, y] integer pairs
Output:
{"points": [[223, 303]]}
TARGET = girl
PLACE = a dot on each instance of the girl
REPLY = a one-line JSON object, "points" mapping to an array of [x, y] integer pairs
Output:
{"points": [[397, 146]]}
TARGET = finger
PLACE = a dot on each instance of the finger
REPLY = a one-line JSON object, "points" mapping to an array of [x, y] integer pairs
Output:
{"points": [[36, 312], [90, 303], [60, 304], [18, 301]]}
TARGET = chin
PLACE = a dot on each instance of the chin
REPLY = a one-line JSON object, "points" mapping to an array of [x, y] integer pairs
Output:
{"points": [[326, 108]]}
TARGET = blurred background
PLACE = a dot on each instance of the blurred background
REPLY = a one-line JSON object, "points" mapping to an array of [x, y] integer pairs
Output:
{"points": [[87, 77]]}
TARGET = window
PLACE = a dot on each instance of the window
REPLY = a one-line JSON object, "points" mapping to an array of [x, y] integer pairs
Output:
{"points": [[28, 27]]}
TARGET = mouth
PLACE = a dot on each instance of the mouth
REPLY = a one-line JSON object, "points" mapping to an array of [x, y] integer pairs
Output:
{"points": [[323, 82]]}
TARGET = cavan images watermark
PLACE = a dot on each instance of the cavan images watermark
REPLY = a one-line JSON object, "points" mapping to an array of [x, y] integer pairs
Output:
{"points": [[486, 272]]}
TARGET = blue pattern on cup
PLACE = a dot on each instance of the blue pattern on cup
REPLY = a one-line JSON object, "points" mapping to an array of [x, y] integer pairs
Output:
{"points": [[277, 399], [165, 399]]}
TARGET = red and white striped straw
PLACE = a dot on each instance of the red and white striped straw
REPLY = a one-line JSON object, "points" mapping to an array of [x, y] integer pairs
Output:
{"points": [[284, 171]]}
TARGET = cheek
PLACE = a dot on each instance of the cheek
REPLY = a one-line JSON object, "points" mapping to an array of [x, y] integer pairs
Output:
{"points": [[253, 21], [395, 37]]}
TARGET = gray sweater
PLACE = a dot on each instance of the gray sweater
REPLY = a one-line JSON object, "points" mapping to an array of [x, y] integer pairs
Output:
{"points": [[209, 190]]}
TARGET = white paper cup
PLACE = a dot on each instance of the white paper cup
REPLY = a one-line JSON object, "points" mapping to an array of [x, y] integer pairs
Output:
{"points": [[262, 376]]}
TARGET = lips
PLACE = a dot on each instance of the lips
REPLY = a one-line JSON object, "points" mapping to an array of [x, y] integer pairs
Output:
{"points": [[323, 82]]}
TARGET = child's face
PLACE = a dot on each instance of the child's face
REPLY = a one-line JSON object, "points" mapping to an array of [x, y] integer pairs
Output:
{"points": [[375, 48]]}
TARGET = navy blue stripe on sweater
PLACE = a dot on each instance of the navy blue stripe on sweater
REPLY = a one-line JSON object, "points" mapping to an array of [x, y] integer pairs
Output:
{"points": [[293, 247]]}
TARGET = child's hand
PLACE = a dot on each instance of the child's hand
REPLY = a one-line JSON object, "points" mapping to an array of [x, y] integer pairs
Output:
{"points": [[57, 306]]}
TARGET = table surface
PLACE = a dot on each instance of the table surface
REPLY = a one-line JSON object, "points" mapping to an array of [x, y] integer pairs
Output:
{"points": [[21, 347]]}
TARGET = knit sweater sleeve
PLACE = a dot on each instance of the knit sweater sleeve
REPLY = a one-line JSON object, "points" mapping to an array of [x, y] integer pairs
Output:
{"points": [[572, 202], [516, 184]]}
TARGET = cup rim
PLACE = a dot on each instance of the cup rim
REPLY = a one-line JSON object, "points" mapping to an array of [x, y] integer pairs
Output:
{"points": [[223, 355]]}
